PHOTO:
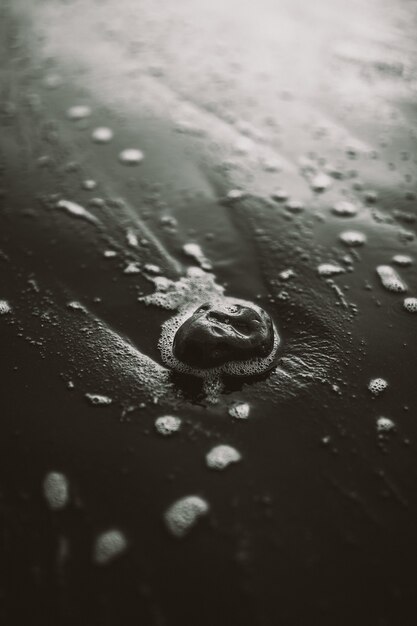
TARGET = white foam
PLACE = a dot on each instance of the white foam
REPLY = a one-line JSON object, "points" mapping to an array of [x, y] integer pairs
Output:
{"points": [[108, 546], [404, 260], [78, 112], [221, 456], [132, 268], [329, 269], [56, 490], [320, 182], [76, 306], [131, 156], [240, 410], [344, 209], [5, 307], [377, 386], [352, 238], [132, 239], [390, 279], [98, 400], [410, 305], [167, 425], [76, 209], [384, 425], [184, 514], [102, 134], [194, 251]]}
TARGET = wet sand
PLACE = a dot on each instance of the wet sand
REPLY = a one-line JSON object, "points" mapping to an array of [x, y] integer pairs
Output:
{"points": [[316, 522]]}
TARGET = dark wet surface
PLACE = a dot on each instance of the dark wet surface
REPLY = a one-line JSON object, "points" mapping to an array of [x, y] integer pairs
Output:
{"points": [[317, 522]]}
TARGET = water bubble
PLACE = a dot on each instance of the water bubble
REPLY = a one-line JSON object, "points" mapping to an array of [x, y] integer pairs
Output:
{"points": [[410, 305], [377, 385], [184, 514], [329, 269], [221, 456], [390, 279], [286, 274], [56, 490], [167, 425], [352, 238], [344, 209], [110, 254], [384, 425], [240, 410], [5, 307], [402, 259], [102, 134], [98, 400], [131, 156], [78, 112], [108, 546]]}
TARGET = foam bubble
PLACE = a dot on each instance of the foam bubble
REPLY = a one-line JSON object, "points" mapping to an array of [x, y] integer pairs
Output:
{"points": [[76, 209], [377, 386], [108, 546], [221, 456], [390, 279], [352, 238], [131, 156], [402, 259], [329, 269], [78, 112], [56, 490], [98, 400], [102, 134], [167, 425], [384, 425], [5, 307], [410, 305], [194, 250], [132, 268], [344, 209], [184, 514], [240, 410]]}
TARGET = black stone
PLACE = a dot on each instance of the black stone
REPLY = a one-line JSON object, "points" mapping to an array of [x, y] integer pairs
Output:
{"points": [[217, 333]]}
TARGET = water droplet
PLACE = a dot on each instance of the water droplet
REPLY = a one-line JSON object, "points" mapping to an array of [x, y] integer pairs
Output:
{"points": [[56, 490], [108, 546], [390, 279], [167, 425], [221, 456], [131, 156], [184, 514], [410, 305]]}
